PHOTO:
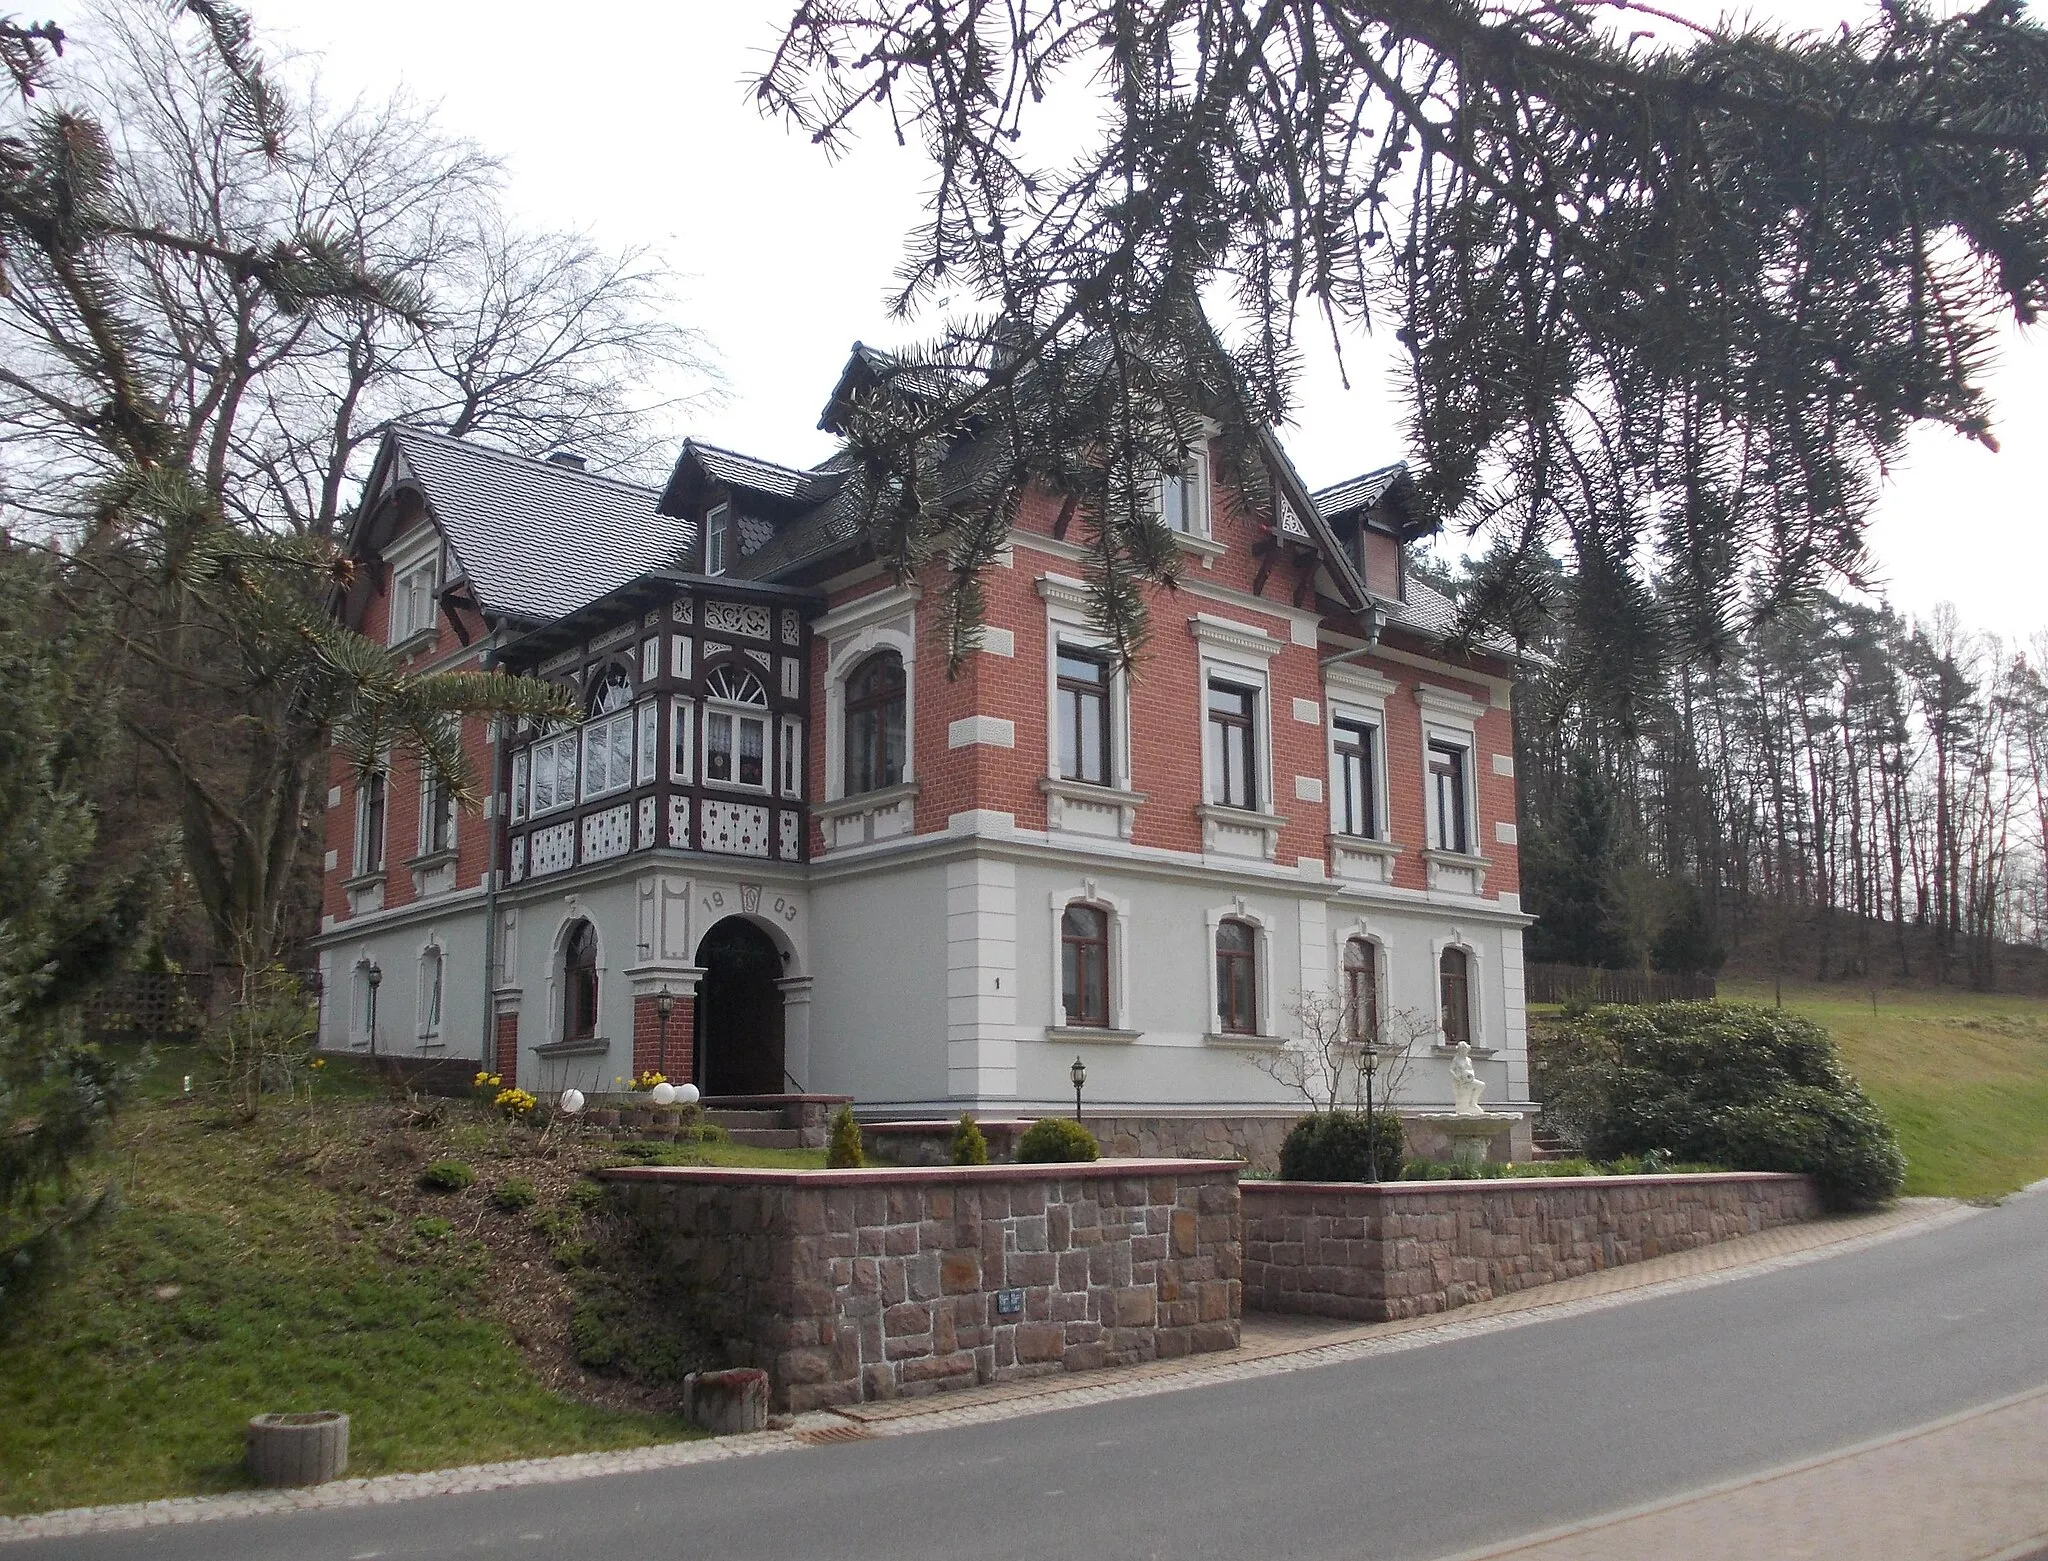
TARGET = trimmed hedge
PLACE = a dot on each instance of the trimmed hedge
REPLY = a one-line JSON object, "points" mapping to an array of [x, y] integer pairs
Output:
{"points": [[1056, 1141], [1754, 1089], [1334, 1146]]}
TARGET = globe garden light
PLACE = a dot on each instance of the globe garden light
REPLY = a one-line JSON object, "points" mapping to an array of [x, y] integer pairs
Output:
{"points": [[571, 1101], [663, 1094], [687, 1094]]}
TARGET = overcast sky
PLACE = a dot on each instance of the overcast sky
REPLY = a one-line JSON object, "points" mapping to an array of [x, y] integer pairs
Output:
{"points": [[631, 121]]}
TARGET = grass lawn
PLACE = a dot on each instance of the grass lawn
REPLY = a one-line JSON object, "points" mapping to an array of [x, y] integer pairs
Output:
{"points": [[284, 1266], [1962, 1075]]}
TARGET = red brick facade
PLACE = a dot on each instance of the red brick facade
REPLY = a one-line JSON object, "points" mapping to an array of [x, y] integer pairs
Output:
{"points": [[647, 1036]]}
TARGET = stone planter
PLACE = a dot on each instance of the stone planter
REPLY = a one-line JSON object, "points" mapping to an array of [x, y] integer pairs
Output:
{"points": [[303, 1449], [726, 1401]]}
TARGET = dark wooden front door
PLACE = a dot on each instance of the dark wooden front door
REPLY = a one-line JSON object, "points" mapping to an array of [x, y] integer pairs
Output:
{"points": [[739, 1011]]}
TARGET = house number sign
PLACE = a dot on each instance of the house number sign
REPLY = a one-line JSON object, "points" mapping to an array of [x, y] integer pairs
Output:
{"points": [[1009, 1303]]}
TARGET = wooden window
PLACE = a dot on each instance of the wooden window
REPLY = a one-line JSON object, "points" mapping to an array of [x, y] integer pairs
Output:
{"points": [[1184, 496], [1084, 965], [579, 983], [1084, 724], [792, 757], [1237, 978], [1233, 745], [717, 534], [682, 730], [371, 807], [431, 966], [875, 726], [735, 730], [437, 814], [1447, 793], [412, 600], [1361, 993], [1357, 810], [554, 772], [520, 766], [1454, 970]]}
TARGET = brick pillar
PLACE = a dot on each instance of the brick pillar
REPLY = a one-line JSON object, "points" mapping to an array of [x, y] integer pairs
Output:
{"points": [[682, 1031], [507, 1047]]}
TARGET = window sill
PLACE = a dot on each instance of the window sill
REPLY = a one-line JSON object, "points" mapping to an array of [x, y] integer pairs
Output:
{"points": [[1469, 859], [1260, 1043], [738, 789], [1084, 808], [587, 1046], [1232, 831], [427, 861], [1364, 845], [1460, 872], [1207, 548], [1479, 1053], [361, 881], [868, 817], [1090, 1035], [865, 801], [1362, 859], [417, 641]]}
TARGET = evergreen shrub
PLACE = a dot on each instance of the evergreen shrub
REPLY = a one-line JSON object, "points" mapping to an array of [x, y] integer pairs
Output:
{"points": [[1057, 1141], [1333, 1146], [970, 1144], [843, 1153], [1753, 1089], [513, 1194]]}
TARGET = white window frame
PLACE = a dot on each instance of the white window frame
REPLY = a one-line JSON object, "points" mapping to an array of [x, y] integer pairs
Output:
{"points": [[679, 658], [791, 758], [359, 853], [1434, 739], [1359, 932], [717, 538], [427, 788], [1118, 910], [1194, 475], [646, 742], [1475, 988], [360, 999], [522, 763], [1358, 695], [432, 995], [413, 585], [650, 659], [885, 620], [760, 715], [550, 750], [1451, 719], [1238, 654], [1375, 773], [604, 731], [682, 727], [1262, 953]]}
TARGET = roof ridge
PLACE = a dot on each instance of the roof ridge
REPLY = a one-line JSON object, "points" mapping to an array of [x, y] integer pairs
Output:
{"points": [[1345, 482], [515, 458]]}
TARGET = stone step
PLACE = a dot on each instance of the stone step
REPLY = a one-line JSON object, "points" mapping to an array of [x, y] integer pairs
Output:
{"points": [[766, 1137], [743, 1118]]}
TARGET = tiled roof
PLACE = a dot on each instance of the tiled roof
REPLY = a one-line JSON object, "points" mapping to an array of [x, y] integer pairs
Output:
{"points": [[1356, 493], [746, 471], [538, 540]]}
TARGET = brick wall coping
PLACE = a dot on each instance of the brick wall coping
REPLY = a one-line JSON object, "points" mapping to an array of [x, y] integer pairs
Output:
{"points": [[902, 1175], [948, 1123], [1525, 1183], [743, 1102]]}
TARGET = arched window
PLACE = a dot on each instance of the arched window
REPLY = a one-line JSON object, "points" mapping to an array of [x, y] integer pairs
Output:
{"points": [[579, 983], [1237, 978], [875, 724], [432, 970], [1084, 965], [1454, 970], [735, 740], [607, 736], [1361, 993], [612, 692]]}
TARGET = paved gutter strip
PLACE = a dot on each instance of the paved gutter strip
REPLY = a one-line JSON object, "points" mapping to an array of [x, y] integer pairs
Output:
{"points": [[1005, 1400]]}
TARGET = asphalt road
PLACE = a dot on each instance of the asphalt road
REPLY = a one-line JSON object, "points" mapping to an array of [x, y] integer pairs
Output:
{"points": [[1409, 1455]]}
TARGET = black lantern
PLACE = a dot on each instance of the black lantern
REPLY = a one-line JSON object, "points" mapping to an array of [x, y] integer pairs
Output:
{"points": [[374, 974], [664, 1005], [1372, 1114], [1079, 1074]]}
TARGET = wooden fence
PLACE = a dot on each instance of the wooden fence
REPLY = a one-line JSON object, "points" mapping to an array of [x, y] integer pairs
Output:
{"points": [[151, 1005], [1583, 984]]}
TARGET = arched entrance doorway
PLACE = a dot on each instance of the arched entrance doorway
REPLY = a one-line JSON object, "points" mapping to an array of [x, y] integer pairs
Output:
{"points": [[739, 1011]]}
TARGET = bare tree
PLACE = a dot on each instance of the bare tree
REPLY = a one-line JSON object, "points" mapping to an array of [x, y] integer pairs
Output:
{"points": [[1340, 1061]]}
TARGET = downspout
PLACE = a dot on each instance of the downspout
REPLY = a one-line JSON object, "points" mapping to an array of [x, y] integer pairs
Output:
{"points": [[1374, 618], [486, 1053]]}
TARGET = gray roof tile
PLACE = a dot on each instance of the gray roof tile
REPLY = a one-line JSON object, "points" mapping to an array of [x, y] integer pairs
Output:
{"points": [[1355, 493], [538, 540]]}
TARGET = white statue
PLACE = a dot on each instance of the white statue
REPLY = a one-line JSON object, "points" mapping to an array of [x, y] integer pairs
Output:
{"points": [[1466, 1085]]}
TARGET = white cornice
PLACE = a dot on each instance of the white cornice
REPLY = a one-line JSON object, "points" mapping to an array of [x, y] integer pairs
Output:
{"points": [[1221, 634], [876, 607], [1065, 594]]}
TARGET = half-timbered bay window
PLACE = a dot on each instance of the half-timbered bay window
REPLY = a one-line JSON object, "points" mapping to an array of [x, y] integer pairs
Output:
{"points": [[735, 730], [1237, 978], [608, 736], [1233, 745], [1084, 720], [1449, 826], [1356, 801], [875, 727], [1454, 976], [1084, 965], [553, 767], [372, 805], [1361, 993]]}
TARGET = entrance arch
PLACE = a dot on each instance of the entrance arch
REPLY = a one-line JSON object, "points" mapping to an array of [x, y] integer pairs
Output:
{"points": [[739, 1011]]}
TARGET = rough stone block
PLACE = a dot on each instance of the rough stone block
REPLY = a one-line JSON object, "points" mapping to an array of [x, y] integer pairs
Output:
{"points": [[726, 1402]]}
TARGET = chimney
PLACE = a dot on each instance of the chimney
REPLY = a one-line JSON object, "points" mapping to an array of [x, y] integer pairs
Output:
{"points": [[568, 458]]}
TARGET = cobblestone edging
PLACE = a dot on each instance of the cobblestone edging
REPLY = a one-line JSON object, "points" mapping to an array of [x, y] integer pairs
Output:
{"points": [[1402, 1249], [855, 1286], [989, 1406]]}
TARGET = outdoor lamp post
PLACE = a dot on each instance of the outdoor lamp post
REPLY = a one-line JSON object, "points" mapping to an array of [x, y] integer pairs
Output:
{"points": [[1372, 1114], [375, 975], [1079, 1074]]}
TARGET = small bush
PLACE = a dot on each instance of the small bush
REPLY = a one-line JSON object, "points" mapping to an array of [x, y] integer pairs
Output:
{"points": [[447, 1176], [843, 1154], [1335, 1146], [431, 1227], [513, 1194], [1753, 1089], [1057, 1141], [970, 1145], [586, 1195]]}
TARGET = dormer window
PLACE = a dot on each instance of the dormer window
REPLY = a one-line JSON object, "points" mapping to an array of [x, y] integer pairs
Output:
{"points": [[412, 599], [1184, 496], [717, 534]]}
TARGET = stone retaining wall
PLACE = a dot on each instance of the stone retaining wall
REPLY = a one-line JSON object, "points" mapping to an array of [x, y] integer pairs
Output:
{"points": [[1256, 1139], [1400, 1249], [856, 1285]]}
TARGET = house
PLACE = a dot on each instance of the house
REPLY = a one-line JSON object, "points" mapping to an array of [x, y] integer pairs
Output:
{"points": [[786, 853]]}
